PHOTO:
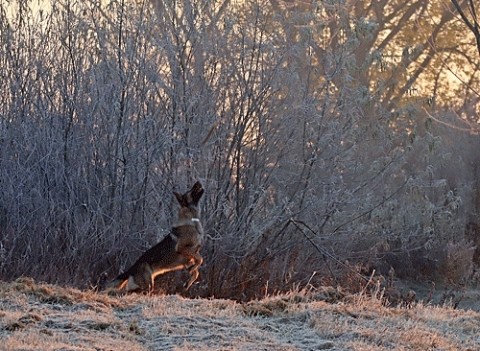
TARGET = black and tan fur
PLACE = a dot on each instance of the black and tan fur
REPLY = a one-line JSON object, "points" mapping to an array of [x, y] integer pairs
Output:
{"points": [[178, 250]]}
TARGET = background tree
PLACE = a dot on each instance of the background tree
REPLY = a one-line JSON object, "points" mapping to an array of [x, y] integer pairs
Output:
{"points": [[308, 123], [468, 13]]}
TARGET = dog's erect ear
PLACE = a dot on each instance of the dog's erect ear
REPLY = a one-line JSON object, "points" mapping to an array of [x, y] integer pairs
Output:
{"points": [[180, 199], [197, 195], [196, 191]]}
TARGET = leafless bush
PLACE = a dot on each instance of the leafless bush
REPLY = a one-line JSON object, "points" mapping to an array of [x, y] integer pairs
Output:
{"points": [[105, 109]]}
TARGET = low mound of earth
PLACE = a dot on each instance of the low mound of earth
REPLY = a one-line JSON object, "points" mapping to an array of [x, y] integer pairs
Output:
{"points": [[46, 317]]}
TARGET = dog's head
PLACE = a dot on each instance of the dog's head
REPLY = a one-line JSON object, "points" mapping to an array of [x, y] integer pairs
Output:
{"points": [[191, 198]]}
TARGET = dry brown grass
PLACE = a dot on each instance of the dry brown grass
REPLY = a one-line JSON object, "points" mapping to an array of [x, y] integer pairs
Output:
{"points": [[46, 317]]}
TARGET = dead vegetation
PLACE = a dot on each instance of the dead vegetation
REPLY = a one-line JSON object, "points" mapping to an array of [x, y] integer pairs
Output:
{"points": [[90, 154], [46, 317]]}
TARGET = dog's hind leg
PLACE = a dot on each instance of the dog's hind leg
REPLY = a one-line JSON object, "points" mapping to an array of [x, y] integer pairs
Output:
{"points": [[193, 270]]}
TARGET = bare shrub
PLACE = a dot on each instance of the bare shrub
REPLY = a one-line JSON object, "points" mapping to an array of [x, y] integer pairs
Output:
{"points": [[458, 266], [106, 108]]}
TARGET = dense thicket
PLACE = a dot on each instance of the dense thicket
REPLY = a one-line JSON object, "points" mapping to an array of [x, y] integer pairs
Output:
{"points": [[316, 149]]}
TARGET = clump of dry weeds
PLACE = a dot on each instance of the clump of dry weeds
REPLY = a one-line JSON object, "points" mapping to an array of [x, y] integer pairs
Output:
{"points": [[48, 317], [48, 293]]}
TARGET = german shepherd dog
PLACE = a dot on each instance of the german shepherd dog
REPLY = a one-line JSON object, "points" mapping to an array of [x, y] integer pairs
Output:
{"points": [[178, 250]]}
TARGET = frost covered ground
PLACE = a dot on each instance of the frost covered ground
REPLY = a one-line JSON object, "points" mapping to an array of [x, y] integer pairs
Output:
{"points": [[45, 317]]}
